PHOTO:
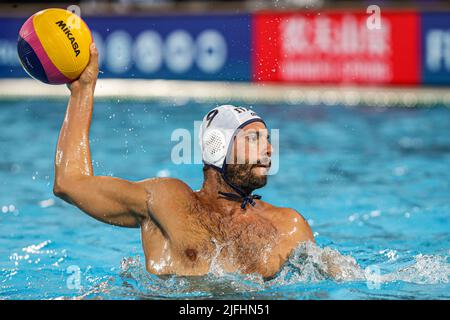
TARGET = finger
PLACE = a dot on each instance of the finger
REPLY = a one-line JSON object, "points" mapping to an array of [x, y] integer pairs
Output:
{"points": [[93, 60]]}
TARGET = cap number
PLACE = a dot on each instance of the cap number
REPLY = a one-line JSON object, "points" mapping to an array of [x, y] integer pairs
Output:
{"points": [[240, 109], [211, 116]]}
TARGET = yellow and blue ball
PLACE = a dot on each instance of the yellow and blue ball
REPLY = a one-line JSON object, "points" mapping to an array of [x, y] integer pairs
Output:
{"points": [[53, 46]]}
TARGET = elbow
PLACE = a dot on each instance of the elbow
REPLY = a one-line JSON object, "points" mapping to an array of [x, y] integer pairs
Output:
{"points": [[65, 188], [62, 187], [59, 190], [62, 191]]}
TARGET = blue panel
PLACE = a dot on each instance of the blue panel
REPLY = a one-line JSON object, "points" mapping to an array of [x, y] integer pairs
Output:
{"points": [[192, 47], [435, 48]]}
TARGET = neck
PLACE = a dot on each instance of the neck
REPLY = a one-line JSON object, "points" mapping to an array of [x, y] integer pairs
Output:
{"points": [[212, 184]]}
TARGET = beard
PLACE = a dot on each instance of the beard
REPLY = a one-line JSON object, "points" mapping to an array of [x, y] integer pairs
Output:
{"points": [[242, 176]]}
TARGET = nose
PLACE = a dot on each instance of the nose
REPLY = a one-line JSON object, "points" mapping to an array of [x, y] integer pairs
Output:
{"points": [[269, 149], [266, 153]]}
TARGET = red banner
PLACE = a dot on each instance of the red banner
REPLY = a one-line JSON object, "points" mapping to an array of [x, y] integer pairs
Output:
{"points": [[336, 47]]}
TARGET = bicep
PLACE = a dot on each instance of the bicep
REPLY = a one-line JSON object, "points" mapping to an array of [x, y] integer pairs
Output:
{"points": [[108, 199]]}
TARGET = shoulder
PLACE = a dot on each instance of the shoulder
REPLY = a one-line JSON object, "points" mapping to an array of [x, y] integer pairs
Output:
{"points": [[290, 221], [164, 183], [167, 199], [292, 217], [166, 188]]}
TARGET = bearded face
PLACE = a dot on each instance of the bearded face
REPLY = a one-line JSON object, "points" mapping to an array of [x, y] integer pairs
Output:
{"points": [[250, 158]]}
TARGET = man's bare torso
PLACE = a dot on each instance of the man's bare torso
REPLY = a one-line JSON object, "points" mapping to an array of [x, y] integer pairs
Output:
{"points": [[258, 239]]}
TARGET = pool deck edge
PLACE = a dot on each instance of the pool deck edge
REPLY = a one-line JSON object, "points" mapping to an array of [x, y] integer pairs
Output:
{"points": [[223, 92]]}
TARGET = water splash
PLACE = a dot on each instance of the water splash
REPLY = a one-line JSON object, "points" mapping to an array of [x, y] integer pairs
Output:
{"points": [[426, 269], [310, 263], [307, 264]]}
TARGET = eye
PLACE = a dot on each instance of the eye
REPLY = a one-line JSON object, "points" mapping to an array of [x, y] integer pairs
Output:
{"points": [[252, 137]]}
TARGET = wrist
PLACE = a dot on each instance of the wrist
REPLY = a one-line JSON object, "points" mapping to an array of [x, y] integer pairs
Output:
{"points": [[77, 88]]}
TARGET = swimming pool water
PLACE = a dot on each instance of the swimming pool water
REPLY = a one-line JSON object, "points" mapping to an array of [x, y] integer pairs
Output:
{"points": [[372, 182]]}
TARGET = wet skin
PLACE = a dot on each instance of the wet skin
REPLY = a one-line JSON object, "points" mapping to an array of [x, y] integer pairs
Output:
{"points": [[184, 232]]}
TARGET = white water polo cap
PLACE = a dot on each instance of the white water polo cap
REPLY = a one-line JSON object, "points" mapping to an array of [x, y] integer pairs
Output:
{"points": [[218, 129]]}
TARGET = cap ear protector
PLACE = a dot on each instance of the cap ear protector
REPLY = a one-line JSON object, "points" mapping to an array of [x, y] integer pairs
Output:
{"points": [[214, 146]]}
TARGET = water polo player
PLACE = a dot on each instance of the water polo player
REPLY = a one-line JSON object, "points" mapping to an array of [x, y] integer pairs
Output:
{"points": [[185, 231]]}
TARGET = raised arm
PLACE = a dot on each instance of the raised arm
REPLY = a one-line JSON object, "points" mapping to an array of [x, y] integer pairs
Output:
{"points": [[108, 199]]}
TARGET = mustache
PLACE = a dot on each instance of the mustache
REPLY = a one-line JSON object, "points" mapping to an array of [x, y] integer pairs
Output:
{"points": [[264, 162]]}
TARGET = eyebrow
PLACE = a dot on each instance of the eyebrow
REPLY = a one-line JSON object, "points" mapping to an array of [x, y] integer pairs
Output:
{"points": [[257, 132]]}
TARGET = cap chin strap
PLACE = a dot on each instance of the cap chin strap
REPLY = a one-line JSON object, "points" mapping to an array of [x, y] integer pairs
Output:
{"points": [[241, 195]]}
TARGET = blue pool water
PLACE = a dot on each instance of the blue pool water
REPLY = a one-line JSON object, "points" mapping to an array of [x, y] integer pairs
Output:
{"points": [[373, 183]]}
